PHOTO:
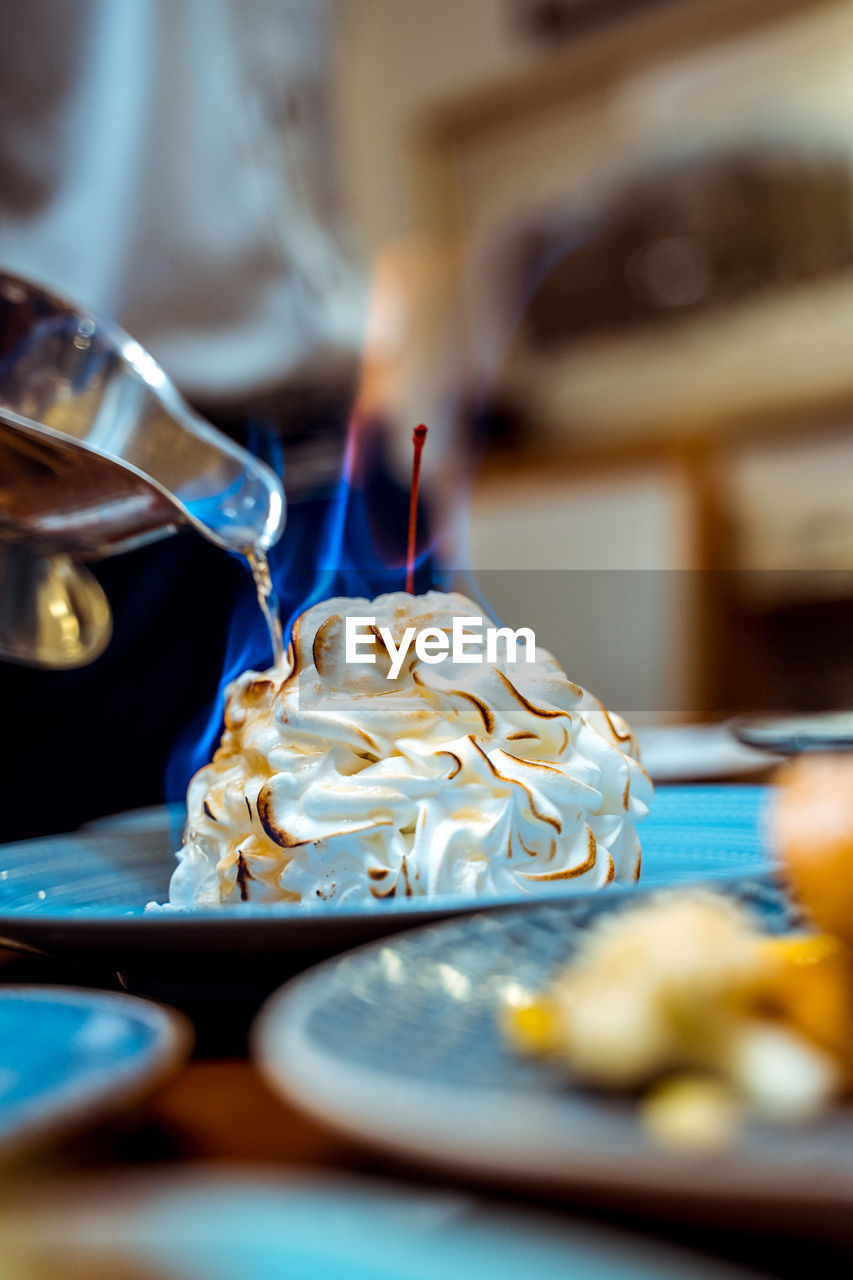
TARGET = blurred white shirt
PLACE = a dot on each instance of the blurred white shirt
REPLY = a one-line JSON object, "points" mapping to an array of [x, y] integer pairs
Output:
{"points": [[169, 164]]}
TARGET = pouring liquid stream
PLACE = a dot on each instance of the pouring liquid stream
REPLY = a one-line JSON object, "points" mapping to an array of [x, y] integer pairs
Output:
{"points": [[268, 600], [260, 569]]}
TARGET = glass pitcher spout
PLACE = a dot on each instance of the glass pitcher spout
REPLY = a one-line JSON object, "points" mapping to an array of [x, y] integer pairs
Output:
{"points": [[99, 452]]}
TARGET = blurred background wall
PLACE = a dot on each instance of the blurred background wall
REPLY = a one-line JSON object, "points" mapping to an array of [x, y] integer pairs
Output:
{"points": [[615, 243]]}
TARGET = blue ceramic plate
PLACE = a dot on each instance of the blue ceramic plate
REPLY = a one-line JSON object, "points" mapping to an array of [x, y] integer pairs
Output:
{"points": [[86, 892], [68, 1057], [247, 1226], [398, 1044]]}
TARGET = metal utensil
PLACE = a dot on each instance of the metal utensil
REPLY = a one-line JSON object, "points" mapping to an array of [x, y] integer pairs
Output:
{"points": [[98, 454], [795, 734]]}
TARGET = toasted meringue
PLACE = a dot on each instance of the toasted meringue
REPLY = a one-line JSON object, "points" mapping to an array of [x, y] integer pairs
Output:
{"points": [[333, 783]]}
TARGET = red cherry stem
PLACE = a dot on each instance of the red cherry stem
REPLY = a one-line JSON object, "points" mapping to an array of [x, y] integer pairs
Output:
{"points": [[418, 438]]}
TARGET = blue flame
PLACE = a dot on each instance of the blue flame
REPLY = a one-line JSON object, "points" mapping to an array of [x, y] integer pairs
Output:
{"points": [[350, 542]]}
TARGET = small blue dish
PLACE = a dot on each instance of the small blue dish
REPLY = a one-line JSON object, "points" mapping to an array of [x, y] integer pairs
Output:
{"points": [[69, 1057], [264, 1225]]}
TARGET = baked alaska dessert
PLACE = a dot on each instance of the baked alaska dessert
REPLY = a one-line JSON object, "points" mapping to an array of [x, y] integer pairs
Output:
{"points": [[334, 783]]}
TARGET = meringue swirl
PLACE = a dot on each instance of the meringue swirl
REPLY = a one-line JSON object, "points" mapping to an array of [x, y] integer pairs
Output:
{"points": [[334, 784]]}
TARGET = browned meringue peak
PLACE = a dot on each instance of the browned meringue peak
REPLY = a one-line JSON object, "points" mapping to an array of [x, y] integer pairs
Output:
{"points": [[333, 782]]}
